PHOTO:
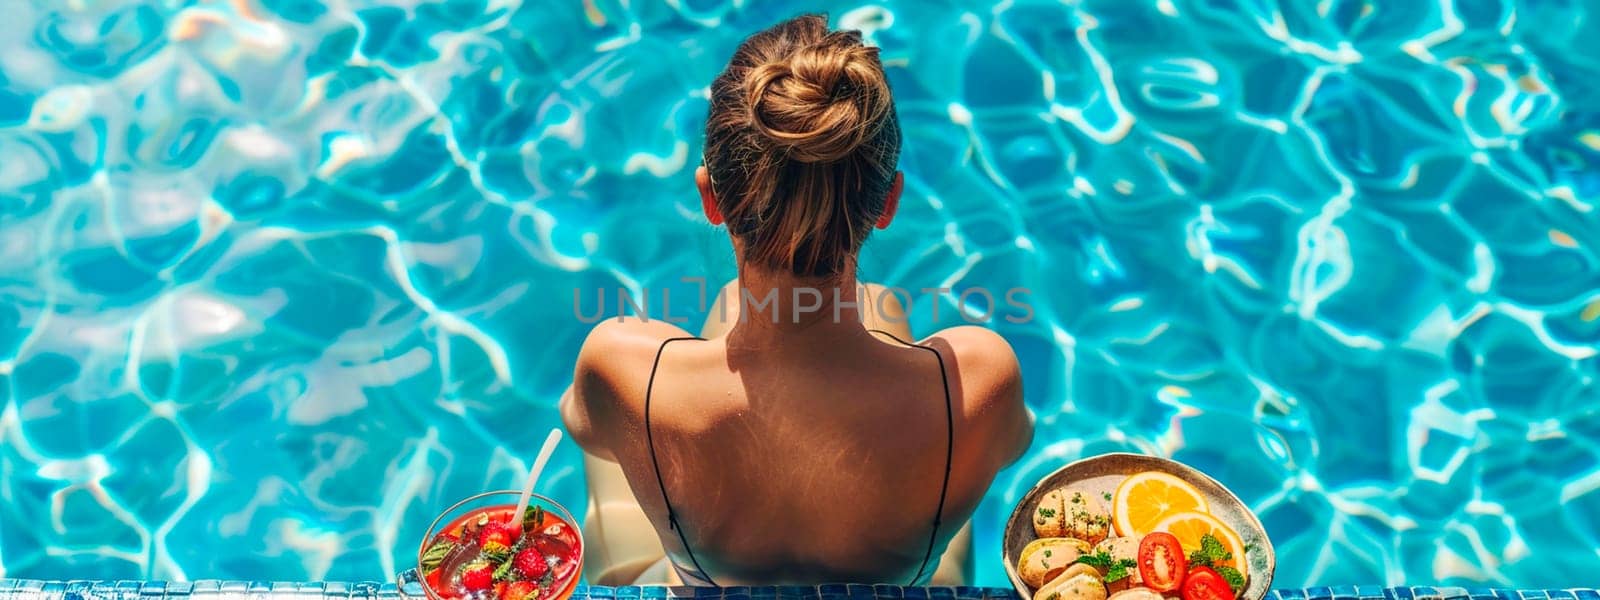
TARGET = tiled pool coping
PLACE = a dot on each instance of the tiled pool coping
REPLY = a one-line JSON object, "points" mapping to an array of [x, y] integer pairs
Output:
{"points": [[33, 589]]}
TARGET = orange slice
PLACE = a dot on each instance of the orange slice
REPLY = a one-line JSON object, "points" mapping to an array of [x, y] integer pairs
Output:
{"points": [[1144, 499], [1188, 527]]}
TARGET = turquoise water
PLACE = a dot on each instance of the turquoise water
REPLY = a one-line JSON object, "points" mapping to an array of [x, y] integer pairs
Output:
{"points": [[280, 279]]}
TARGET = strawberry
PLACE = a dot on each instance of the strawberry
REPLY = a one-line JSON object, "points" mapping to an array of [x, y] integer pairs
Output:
{"points": [[496, 537], [520, 590], [477, 576], [530, 563]]}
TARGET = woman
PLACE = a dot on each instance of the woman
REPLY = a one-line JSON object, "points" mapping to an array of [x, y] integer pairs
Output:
{"points": [[801, 439]]}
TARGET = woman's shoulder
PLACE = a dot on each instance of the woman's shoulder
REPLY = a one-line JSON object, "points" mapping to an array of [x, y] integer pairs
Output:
{"points": [[620, 345], [609, 379], [979, 353], [985, 367]]}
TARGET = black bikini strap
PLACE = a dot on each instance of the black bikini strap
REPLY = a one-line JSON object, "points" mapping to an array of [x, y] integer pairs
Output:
{"points": [[949, 450], [672, 516]]}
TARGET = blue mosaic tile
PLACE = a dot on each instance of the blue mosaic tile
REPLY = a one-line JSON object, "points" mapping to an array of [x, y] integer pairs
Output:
{"points": [[1291, 594], [1587, 594], [627, 591], [796, 591], [832, 588], [888, 591], [916, 592], [1561, 595], [745, 595], [1369, 592], [941, 593], [205, 586]]}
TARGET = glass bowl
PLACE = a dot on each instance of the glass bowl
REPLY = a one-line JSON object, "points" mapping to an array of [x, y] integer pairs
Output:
{"points": [[413, 585]]}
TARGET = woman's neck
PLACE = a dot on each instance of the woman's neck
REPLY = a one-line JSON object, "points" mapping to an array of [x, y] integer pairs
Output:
{"points": [[771, 303]]}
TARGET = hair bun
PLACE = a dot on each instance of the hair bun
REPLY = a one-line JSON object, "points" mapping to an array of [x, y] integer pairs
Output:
{"points": [[823, 101]]}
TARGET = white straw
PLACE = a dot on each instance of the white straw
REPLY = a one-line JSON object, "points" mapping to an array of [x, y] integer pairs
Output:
{"points": [[538, 467]]}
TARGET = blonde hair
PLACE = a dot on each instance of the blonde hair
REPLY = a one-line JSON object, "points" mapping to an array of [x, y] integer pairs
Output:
{"points": [[801, 145]]}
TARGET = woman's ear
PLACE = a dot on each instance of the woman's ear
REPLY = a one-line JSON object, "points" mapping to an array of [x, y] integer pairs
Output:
{"points": [[708, 200], [892, 202]]}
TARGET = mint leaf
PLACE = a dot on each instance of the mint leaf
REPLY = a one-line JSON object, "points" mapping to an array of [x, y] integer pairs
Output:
{"points": [[435, 555], [1233, 576], [502, 572], [532, 517]]}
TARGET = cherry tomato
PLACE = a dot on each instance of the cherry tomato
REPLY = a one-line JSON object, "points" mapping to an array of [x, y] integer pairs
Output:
{"points": [[1205, 584], [1162, 563]]}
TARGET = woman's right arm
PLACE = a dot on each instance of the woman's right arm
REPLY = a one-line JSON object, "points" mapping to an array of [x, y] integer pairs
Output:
{"points": [[605, 401], [589, 406]]}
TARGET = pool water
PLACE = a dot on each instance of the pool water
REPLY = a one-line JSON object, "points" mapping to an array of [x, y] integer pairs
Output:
{"points": [[281, 279]]}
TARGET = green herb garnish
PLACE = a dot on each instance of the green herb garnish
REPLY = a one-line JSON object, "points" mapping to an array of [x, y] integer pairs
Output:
{"points": [[1115, 569], [1048, 513], [435, 555], [1121, 570], [1098, 560], [1234, 577], [1213, 554]]}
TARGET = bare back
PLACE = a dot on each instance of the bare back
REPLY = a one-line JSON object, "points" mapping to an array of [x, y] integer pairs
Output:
{"points": [[820, 459]]}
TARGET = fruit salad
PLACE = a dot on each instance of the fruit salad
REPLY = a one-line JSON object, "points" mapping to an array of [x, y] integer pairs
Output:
{"points": [[487, 554], [1154, 538]]}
